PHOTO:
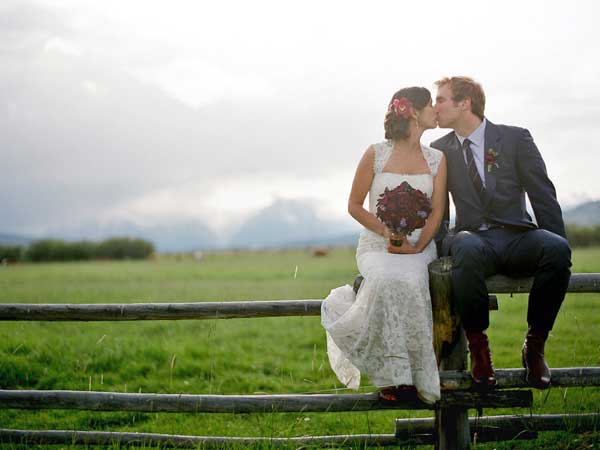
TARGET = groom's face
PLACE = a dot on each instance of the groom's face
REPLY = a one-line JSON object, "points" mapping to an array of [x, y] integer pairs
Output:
{"points": [[447, 111]]}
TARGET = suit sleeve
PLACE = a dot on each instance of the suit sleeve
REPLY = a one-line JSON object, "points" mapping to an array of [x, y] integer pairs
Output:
{"points": [[445, 224], [539, 188]]}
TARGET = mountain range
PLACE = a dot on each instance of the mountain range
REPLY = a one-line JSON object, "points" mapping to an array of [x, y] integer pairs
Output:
{"points": [[288, 222], [585, 214], [284, 223]]}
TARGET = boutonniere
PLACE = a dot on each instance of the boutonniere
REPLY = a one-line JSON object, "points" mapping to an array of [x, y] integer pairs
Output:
{"points": [[491, 159]]}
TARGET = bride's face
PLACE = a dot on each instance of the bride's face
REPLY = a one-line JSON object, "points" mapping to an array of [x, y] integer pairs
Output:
{"points": [[427, 117]]}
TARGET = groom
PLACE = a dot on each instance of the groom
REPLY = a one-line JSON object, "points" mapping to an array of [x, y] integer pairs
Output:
{"points": [[490, 168]]}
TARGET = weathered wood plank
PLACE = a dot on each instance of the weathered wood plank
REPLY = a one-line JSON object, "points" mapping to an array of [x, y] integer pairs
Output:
{"points": [[94, 312], [169, 440], [113, 401], [579, 283], [48, 437], [414, 431], [515, 378], [446, 322], [507, 425], [451, 423], [158, 311]]}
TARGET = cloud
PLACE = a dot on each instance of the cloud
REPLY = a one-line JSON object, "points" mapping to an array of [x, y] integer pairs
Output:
{"points": [[24, 26], [200, 83], [63, 46], [80, 142], [126, 109]]}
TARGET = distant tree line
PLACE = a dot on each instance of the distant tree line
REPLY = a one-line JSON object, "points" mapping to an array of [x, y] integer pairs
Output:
{"points": [[129, 248], [579, 236], [58, 250]]}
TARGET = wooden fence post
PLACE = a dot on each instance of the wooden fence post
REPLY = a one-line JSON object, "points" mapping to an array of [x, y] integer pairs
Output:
{"points": [[451, 424]]}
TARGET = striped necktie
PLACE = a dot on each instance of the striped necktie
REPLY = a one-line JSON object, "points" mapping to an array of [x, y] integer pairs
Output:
{"points": [[472, 168]]}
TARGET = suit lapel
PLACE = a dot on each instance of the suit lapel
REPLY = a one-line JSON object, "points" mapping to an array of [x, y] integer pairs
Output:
{"points": [[460, 169], [458, 159], [493, 143]]}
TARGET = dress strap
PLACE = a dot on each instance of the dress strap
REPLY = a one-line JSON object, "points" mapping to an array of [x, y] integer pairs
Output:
{"points": [[433, 158], [383, 150]]}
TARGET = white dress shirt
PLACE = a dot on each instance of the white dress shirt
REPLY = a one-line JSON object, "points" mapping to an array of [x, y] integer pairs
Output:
{"points": [[477, 139]]}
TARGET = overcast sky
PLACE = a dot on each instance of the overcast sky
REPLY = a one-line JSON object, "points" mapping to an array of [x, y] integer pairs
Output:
{"points": [[166, 111]]}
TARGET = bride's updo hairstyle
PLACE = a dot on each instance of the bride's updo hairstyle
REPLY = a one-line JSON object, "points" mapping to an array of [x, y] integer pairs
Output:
{"points": [[396, 124]]}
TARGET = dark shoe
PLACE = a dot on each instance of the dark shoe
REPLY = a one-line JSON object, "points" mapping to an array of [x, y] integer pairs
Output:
{"points": [[395, 393], [482, 369], [538, 373]]}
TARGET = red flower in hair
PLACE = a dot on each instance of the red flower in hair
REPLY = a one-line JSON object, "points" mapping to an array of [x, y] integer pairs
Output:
{"points": [[403, 107]]}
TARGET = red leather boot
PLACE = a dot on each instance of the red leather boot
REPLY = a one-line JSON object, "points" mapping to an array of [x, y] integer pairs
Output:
{"points": [[538, 373], [482, 369]]}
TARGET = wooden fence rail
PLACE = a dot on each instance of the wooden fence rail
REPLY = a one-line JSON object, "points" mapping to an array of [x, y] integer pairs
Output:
{"points": [[455, 385], [208, 442], [408, 431], [497, 428], [159, 311], [117, 401], [582, 282], [515, 378]]}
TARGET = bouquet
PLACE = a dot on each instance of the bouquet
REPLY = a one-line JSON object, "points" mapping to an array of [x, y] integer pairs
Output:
{"points": [[403, 210]]}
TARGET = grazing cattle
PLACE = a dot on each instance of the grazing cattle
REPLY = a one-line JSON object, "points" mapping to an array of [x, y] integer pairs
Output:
{"points": [[320, 251]]}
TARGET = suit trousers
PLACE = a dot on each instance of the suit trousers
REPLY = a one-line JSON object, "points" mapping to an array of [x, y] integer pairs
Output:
{"points": [[516, 253]]}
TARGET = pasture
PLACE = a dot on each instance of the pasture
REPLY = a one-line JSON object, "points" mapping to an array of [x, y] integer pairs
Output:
{"points": [[240, 356]]}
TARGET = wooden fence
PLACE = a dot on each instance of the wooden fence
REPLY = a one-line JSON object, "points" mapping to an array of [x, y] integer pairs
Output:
{"points": [[451, 428]]}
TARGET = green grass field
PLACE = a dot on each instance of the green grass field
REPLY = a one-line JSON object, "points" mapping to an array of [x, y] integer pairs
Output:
{"points": [[240, 356]]}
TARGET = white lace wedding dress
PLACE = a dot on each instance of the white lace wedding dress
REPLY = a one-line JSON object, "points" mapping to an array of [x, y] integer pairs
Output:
{"points": [[385, 331]]}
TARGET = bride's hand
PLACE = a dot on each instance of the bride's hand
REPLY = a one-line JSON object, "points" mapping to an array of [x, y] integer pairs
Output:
{"points": [[405, 248], [387, 233]]}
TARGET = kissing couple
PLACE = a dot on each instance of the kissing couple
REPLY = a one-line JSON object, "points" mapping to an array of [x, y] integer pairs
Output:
{"points": [[384, 330]]}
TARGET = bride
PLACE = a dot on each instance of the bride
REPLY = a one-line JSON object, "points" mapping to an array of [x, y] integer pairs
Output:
{"points": [[385, 331]]}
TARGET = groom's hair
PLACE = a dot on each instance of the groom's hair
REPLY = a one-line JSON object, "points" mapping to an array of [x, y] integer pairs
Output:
{"points": [[465, 87]]}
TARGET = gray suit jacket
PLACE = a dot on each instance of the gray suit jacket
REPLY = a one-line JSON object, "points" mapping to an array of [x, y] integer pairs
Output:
{"points": [[520, 169]]}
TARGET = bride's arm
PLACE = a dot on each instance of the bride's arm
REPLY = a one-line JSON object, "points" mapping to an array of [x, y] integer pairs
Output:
{"points": [[438, 203], [360, 188]]}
